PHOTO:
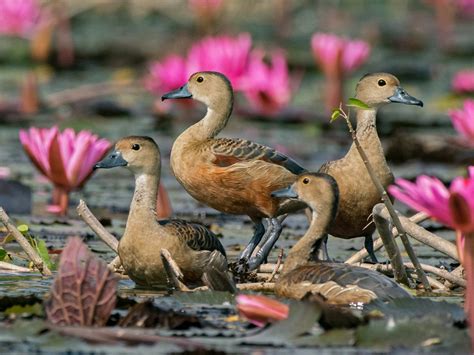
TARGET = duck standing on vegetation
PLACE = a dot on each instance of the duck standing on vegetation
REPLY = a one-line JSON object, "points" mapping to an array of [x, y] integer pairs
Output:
{"points": [[195, 249], [234, 176], [303, 272], [358, 194]]}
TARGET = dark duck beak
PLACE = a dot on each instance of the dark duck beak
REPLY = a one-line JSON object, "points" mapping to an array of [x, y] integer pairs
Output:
{"points": [[181, 93], [112, 160], [401, 96], [287, 192]]}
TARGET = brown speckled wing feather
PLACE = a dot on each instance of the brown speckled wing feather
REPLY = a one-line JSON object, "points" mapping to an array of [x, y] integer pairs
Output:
{"points": [[228, 151], [195, 235], [344, 275]]}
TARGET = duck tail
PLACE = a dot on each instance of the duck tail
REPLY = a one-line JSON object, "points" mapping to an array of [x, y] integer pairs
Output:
{"points": [[216, 275]]}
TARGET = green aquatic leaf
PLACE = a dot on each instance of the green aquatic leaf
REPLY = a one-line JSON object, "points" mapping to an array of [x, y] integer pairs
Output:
{"points": [[42, 250], [353, 102], [3, 254], [23, 228]]}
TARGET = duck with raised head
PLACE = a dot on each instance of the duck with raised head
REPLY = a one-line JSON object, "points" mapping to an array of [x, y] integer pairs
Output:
{"points": [[231, 175], [303, 273], [357, 193], [195, 249]]}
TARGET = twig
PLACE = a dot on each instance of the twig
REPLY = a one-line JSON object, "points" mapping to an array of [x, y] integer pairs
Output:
{"points": [[391, 246], [449, 276], [425, 237], [436, 284], [361, 254], [8, 267], [90, 91], [277, 266], [32, 254], [175, 276], [115, 264], [87, 216], [257, 286], [267, 268], [458, 272], [388, 203]]}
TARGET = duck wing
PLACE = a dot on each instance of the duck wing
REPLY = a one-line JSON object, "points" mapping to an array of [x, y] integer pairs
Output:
{"points": [[229, 151], [195, 235]]}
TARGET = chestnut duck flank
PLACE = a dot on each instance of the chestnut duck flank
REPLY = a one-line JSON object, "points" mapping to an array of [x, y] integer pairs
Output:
{"points": [[302, 272], [195, 249], [231, 175], [357, 193]]}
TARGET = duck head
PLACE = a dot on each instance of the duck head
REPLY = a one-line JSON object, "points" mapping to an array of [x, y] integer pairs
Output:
{"points": [[211, 88], [378, 89], [318, 190], [139, 154]]}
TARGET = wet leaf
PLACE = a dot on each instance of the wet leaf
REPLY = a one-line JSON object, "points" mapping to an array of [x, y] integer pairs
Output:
{"points": [[83, 292], [353, 102]]}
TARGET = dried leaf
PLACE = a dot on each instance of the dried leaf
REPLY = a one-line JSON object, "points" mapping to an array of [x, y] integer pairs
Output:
{"points": [[83, 292]]}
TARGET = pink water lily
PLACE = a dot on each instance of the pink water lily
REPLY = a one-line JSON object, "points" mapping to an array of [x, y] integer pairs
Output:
{"points": [[166, 75], [261, 310], [19, 17], [337, 56], [454, 207], [463, 120], [268, 88], [225, 54], [463, 81], [66, 158]]}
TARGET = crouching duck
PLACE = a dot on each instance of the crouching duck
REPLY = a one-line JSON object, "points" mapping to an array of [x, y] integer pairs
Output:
{"points": [[303, 273], [196, 250], [231, 175], [358, 195]]}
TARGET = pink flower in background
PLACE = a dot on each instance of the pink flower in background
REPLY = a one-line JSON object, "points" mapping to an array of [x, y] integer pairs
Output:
{"points": [[205, 7], [66, 158], [260, 310], [19, 17], [337, 56], [465, 6], [267, 87], [225, 54], [463, 81], [166, 75], [354, 55], [453, 207], [463, 120]]}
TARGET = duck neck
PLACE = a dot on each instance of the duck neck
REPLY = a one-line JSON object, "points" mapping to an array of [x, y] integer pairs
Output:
{"points": [[143, 204], [305, 250], [214, 121], [366, 133]]}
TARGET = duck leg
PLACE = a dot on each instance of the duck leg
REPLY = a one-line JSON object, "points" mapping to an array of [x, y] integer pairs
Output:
{"points": [[369, 246], [323, 251], [257, 237], [273, 232]]}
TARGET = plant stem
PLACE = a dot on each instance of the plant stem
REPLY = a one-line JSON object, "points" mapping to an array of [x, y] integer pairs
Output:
{"points": [[403, 236], [32, 254]]}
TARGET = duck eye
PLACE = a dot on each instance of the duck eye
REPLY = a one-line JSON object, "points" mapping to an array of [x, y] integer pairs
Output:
{"points": [[200, 79], [305, 181], [136, 146], [381, 82]]}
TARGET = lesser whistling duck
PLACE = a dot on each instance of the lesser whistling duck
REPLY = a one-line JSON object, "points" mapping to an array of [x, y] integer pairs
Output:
{"points": [[231, 175], [358, 195], [192, 246], [303, 272]]}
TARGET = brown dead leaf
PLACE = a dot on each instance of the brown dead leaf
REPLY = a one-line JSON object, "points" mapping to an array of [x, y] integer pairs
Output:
{"points": [[84, 290]]}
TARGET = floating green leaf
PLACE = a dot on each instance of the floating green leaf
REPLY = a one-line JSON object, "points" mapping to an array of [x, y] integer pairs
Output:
{"points": [[353, 102], [335, 114]]}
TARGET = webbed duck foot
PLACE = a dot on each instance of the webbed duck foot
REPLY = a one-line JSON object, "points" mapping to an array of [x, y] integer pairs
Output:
{"points": [[241, 272]]}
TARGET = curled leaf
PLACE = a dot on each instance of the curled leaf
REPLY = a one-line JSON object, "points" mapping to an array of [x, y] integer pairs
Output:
{"points": [[353, 102], [83, 292], [335, 114]]}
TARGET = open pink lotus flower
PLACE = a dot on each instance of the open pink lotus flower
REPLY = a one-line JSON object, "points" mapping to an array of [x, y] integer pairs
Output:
{"points": [[337, 56], [261, 310], [453, 207], [463, 120], [463, 81], [66, 158], [166, 75], [19, 17], [225, 54], [268, 88]]}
